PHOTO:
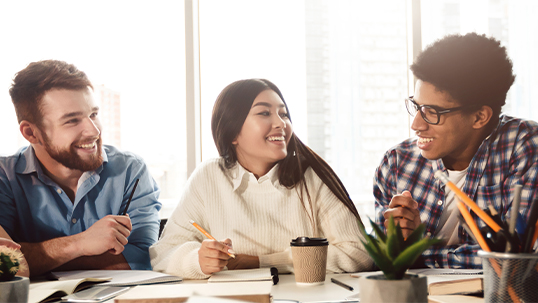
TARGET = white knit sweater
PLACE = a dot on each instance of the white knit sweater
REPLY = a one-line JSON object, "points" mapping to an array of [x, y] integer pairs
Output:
{"points": [[261, 217]]}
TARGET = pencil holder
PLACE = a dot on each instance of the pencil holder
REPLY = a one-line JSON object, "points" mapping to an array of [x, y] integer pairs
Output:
{"points": [[510, 277]]}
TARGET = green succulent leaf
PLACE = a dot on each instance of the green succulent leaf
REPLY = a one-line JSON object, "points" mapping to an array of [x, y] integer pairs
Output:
{"points": [[399, 233], [380, 259], [411, 253], [391, 252], [379, 233], [393, 247], [416, 235], [374, 244]]}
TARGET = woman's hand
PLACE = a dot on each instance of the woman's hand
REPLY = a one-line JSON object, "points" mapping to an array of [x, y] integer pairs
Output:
{"points": [[242, 261], [213, 256]]}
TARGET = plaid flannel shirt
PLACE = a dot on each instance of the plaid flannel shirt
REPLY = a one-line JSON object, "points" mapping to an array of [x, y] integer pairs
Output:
{"points": [[507, 157]]}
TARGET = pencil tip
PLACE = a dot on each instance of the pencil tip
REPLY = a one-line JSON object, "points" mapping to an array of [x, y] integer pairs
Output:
{"points": [[191, 221]]}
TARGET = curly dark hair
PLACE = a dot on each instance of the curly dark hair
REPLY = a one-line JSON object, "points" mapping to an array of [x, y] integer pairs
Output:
{"points": [[473, 69]]}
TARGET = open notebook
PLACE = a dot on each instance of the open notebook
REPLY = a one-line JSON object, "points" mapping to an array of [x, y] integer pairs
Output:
{"points": [[243, 275], [119, 277], [48, 291]]}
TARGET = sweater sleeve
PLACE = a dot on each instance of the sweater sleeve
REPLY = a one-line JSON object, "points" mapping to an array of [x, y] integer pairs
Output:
{"points": [[336, 222], [281, 260], [176, 252]]}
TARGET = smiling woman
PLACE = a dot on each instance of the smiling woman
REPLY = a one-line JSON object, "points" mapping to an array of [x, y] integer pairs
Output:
{"points": [[274, 188]]}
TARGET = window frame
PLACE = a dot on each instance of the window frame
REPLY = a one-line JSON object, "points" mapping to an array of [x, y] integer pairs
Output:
{"points": [[193, 82]]}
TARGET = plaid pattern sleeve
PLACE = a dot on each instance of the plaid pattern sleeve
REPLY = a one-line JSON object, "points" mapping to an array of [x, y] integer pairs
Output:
{"points": [[507, 157]]}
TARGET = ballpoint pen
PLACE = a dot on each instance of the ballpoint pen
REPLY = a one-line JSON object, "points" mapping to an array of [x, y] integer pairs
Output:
{"points": [[513, 219], [529, 233], [340, 283], [130, 198]]}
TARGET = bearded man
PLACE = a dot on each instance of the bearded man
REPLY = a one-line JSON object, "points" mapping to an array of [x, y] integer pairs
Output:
{"points": [[63, 195]]}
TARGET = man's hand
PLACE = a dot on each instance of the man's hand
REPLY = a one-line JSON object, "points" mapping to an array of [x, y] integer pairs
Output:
{"points": [[213, 256], [405, 212], [108, 234]]}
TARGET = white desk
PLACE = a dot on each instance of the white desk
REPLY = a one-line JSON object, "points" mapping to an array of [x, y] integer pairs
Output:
{"points": [[288, 289]]}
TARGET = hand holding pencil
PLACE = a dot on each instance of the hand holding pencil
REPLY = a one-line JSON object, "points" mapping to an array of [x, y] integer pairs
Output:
{"points": [[213, 256]]}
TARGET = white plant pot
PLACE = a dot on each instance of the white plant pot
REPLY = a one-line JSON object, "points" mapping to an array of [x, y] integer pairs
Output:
{"points": [[15, 290], [376, 288]]}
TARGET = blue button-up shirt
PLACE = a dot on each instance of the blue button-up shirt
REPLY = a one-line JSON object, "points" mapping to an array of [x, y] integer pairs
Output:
{"points": [[33, 208]]}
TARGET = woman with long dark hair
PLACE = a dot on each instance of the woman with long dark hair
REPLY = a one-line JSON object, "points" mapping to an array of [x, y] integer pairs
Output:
{"points": [[266, 189]]}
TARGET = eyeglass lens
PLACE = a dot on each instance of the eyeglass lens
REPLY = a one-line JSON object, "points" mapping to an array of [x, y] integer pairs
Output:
{"points": [[430, 115]]}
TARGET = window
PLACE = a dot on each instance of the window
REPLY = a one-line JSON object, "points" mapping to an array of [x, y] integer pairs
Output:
{"points": [[134, 55], [341, 66], [511, 22]]}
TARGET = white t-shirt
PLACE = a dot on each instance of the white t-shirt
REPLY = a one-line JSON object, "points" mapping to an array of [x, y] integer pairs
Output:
{"points": [[449, 222]]}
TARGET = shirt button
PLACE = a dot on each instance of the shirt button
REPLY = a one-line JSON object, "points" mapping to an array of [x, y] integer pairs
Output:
{"points": [[439, 202], [74, 220], [429, 234], [59, 191]]}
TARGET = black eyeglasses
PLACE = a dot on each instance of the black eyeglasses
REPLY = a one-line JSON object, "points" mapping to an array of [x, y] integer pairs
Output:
{"points": [[430, 114]]}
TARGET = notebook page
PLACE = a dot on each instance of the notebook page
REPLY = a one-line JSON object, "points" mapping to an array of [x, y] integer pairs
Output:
{"points": [[257, 274]]}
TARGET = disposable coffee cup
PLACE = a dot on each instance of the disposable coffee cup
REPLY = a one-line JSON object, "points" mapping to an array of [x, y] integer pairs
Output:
{"points": [[309, 260]]}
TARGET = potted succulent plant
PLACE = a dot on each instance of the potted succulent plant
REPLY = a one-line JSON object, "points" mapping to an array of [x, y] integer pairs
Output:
{"points": [[394, 255], [12, 288]]}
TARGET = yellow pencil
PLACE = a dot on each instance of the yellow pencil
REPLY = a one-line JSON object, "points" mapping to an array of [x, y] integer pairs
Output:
{"points": [[203, 231], [472, 225], [470, 203]]}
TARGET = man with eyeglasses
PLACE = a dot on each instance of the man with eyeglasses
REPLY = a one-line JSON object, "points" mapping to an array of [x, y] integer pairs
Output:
{"points": [[456, 109]]}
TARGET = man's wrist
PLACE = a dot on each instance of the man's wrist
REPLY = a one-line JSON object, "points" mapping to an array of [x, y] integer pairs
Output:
{"points": [[73, 246]]}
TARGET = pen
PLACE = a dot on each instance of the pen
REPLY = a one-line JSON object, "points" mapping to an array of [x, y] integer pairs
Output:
{"points": [[470, 203], [130, 198], [513, 217], [466, 227], [203, 231], [531, 246], [344, 285], [515, 209], [528, 235]]}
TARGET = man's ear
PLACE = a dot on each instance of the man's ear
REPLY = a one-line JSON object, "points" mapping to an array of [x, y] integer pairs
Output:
{"points": [[482, 117], [30, 132]]}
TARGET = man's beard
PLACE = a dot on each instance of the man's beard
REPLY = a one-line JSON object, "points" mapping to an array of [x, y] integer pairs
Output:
{"points": [[69, 158]]}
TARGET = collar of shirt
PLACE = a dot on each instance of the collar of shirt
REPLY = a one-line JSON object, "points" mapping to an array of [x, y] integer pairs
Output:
{"points": [[242, 176]]}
